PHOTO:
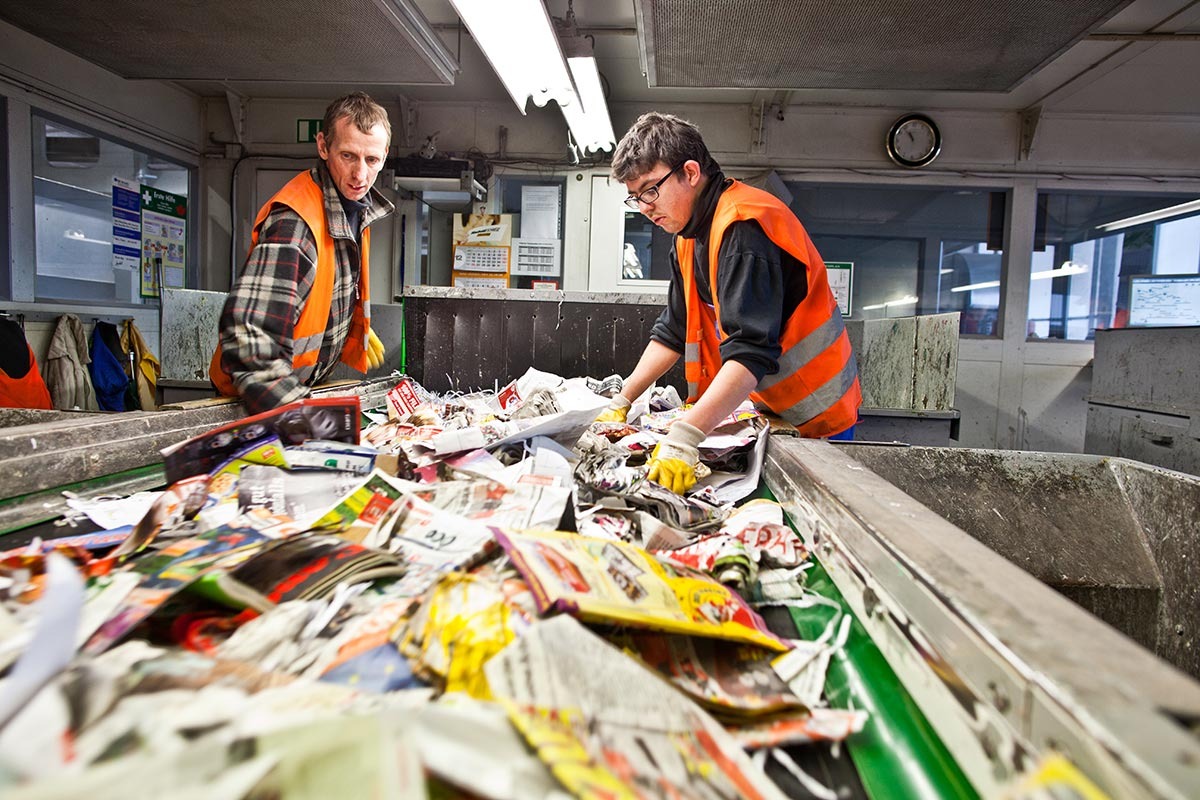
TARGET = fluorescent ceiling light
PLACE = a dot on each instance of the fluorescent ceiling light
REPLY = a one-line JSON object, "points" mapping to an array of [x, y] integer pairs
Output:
{"points": [[518, 40], [902, 301], [588, 120], [1151, 216]]}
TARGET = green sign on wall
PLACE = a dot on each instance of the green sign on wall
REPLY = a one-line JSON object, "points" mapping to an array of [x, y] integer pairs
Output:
{"points": [[306, 130], [841, 283]]}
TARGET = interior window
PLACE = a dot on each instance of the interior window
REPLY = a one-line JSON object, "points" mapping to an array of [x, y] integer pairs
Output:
{"points": [[910, 251], [110, 221], [1094, 257]]}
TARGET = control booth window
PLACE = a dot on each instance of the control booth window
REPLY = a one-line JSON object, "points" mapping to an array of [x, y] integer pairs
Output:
{"points": [[536, 206], [901, 251], [1104, 260], [110, 220]]}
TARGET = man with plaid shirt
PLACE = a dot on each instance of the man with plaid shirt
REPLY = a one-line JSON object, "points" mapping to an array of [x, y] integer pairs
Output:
{"points": [[302, 300]]}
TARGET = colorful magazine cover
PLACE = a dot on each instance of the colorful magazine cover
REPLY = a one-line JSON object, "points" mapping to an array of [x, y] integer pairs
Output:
{"points": [[605, 581], [329, 418], [729, 679]]}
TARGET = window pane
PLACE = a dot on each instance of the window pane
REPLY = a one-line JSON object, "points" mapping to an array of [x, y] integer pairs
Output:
{"points": [[1092, 245], [541, 201], [73, 174], [647, 250], [914, 250]]}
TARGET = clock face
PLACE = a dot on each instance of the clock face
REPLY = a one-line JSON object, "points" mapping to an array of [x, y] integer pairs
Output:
{"points": [[914, 141]]}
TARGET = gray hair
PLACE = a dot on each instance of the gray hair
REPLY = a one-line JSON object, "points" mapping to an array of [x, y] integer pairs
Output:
{"points": [[656, 137], [360, 111]]}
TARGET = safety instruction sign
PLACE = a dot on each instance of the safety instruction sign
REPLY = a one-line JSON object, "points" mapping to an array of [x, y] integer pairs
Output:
{"points": [[841, 283], [164, 240], [126, 225]]}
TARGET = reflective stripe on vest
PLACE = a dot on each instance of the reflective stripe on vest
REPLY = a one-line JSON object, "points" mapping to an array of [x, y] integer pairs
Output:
{"points": [[305, 197], [816, 387]]}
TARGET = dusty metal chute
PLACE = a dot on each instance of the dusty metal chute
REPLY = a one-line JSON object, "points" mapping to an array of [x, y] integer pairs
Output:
{"points": [[1005, 668]]}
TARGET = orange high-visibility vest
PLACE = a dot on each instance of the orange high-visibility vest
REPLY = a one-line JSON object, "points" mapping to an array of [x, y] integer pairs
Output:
{"points": [[816, 388], [304, 196], [27, 391]]}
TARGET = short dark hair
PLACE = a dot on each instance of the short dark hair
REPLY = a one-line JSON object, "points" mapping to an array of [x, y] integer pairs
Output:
{"points": [[363, 112], [656, 137]]}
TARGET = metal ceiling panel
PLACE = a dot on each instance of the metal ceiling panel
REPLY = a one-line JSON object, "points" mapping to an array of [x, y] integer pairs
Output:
{"points": [[958, 45], [317, 41]]}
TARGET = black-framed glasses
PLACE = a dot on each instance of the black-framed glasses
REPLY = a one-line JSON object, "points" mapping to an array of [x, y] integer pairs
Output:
{"points": [[649, 195]]}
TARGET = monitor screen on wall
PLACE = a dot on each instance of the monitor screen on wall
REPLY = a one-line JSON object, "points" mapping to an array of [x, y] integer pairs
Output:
{"points": [[1164, 300]]}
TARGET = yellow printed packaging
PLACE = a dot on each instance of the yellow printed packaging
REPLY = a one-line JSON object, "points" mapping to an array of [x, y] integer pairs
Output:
{"points": [[463, 621], [611, 582]]}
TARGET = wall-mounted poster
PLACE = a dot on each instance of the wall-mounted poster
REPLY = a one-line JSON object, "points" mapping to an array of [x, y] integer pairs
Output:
{"points": [[841, 283], [164, 239]]}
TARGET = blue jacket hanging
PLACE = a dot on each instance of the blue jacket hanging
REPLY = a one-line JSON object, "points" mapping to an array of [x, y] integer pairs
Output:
{"points": [[108, 375]]}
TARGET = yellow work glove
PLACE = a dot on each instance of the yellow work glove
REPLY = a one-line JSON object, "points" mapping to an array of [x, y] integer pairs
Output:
{"points": [[374, 350], [673, 462], [617, 410]]}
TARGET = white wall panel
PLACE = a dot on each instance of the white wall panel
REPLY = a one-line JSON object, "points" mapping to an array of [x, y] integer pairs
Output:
{"points": [[1054, 407], [975, 396]]}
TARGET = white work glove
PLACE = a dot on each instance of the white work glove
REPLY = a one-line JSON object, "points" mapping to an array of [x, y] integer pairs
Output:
{"points": [[617, 410], [375, 350], [673, 462]]}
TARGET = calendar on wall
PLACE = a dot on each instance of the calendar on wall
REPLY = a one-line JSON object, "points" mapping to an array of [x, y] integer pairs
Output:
{"points": [[482, 251], [474, 258]]}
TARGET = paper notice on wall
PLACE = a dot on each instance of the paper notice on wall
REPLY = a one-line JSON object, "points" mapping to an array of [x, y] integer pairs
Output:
{"points": [[541, 210], [127, 225], [541, 258], [164, 239], [841, 282]]}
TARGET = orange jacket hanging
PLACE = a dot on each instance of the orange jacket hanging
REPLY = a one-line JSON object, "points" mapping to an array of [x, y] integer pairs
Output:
{"points": [[816, 388], [304, 196], [25, 391]]}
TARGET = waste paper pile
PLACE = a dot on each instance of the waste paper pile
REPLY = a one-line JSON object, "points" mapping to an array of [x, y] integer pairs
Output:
{"points": [[449, 596]]}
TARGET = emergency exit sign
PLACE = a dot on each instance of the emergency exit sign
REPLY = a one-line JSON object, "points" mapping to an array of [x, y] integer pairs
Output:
{"points": [[306, 130]]}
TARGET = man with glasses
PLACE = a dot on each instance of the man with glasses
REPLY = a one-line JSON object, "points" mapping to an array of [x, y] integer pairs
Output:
{"points": [[749, 305]]}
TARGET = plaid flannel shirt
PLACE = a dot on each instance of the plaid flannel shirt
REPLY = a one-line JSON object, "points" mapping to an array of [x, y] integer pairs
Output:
{"points": [[264, 304]]}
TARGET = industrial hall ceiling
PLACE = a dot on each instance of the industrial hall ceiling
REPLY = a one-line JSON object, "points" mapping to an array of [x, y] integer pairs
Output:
{"points": [[1102, 56]]}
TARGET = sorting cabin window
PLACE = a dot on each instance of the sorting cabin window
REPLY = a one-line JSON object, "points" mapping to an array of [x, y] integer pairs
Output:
{"points": [[1112, 260], [902, 251], [110, 220], [520, 247]]}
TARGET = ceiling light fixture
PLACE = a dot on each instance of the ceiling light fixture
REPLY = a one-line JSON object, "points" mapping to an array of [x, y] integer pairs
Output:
{"points": [[1151, 216], [519, 41], [588, 119]]}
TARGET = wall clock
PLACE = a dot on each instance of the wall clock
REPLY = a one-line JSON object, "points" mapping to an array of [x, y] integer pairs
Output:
{"points": [[914, 141]]}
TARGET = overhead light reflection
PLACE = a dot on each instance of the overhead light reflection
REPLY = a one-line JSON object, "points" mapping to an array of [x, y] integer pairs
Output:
{"points": [[1151, 216], [902, 301]]}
